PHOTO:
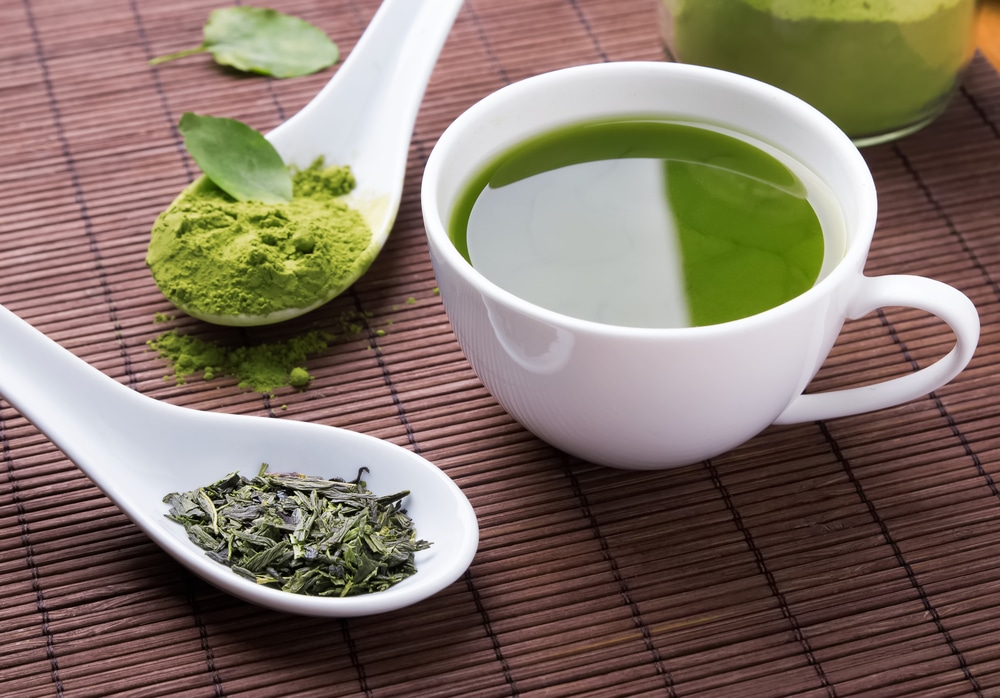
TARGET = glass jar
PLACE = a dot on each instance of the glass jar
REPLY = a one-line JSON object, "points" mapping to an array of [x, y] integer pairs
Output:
{"points": [[880, 69], [988, 34]]}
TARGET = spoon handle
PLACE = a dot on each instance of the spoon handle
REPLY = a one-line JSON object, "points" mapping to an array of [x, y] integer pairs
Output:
{"points": [[70, 401], [377, 91]]}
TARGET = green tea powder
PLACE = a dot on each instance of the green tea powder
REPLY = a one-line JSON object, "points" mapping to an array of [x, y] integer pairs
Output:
{"points": [[223, 257], [261, 367], [872, 66]]}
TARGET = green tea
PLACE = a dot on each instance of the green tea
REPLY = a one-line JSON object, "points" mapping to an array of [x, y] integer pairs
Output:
{"points": [[300, 533], [648, 223]]}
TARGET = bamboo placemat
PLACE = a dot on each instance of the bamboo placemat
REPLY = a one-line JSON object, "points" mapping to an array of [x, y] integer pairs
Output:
{"points": [[858, 556]]}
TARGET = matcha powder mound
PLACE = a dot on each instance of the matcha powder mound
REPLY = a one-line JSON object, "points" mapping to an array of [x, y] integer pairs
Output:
{"points": [[263, 367], [221, 257]]}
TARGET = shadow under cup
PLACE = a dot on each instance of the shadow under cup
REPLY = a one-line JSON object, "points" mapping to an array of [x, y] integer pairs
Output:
{"points": [[650, 398]]}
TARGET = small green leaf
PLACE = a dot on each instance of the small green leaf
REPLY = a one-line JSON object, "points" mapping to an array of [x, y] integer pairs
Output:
{"points": [[264, 41], [238, 159]]}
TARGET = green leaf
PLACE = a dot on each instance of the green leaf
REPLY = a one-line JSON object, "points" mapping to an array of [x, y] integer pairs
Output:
{"points": [[238, 159], [264, 41]]}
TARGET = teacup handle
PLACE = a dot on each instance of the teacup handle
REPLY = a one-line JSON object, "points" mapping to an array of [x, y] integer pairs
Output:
{"points": [[935, 297]]}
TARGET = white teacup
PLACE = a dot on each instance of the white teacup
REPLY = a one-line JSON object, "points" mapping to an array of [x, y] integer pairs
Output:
{"points": [[646, 398]]}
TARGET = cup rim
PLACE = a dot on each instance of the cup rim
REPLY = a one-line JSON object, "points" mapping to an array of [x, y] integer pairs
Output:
{"points": [[851, 263]]}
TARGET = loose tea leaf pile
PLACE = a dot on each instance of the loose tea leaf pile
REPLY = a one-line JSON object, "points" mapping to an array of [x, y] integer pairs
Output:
{"points": [[302, 534]]}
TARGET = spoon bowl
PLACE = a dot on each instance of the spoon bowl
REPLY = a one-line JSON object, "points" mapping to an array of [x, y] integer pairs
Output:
{"points": [[364, 117], [137, 450]]}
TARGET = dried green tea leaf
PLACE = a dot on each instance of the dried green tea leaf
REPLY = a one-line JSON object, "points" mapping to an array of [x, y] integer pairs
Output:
{"points": [[237, 158], [302, 534], [264, 41]]}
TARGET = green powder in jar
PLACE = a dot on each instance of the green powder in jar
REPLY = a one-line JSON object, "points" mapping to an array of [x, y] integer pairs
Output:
{"points": [[872, 66], [218, 257]]}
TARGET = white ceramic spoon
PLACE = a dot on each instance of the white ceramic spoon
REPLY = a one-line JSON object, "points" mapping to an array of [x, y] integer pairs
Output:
{"points": [[364, 118], [137, 449]]}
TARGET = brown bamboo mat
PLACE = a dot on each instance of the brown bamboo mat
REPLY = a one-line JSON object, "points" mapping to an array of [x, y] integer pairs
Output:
{"points": [[859, 556]]}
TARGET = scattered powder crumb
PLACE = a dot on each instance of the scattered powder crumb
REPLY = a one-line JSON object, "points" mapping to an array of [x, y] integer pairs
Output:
{"points": [[262, 367], [353, 321], [298, 377]]}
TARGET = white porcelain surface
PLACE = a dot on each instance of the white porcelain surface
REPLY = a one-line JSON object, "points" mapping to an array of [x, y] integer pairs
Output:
{"points": [[655, 398], [137, 450]]}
